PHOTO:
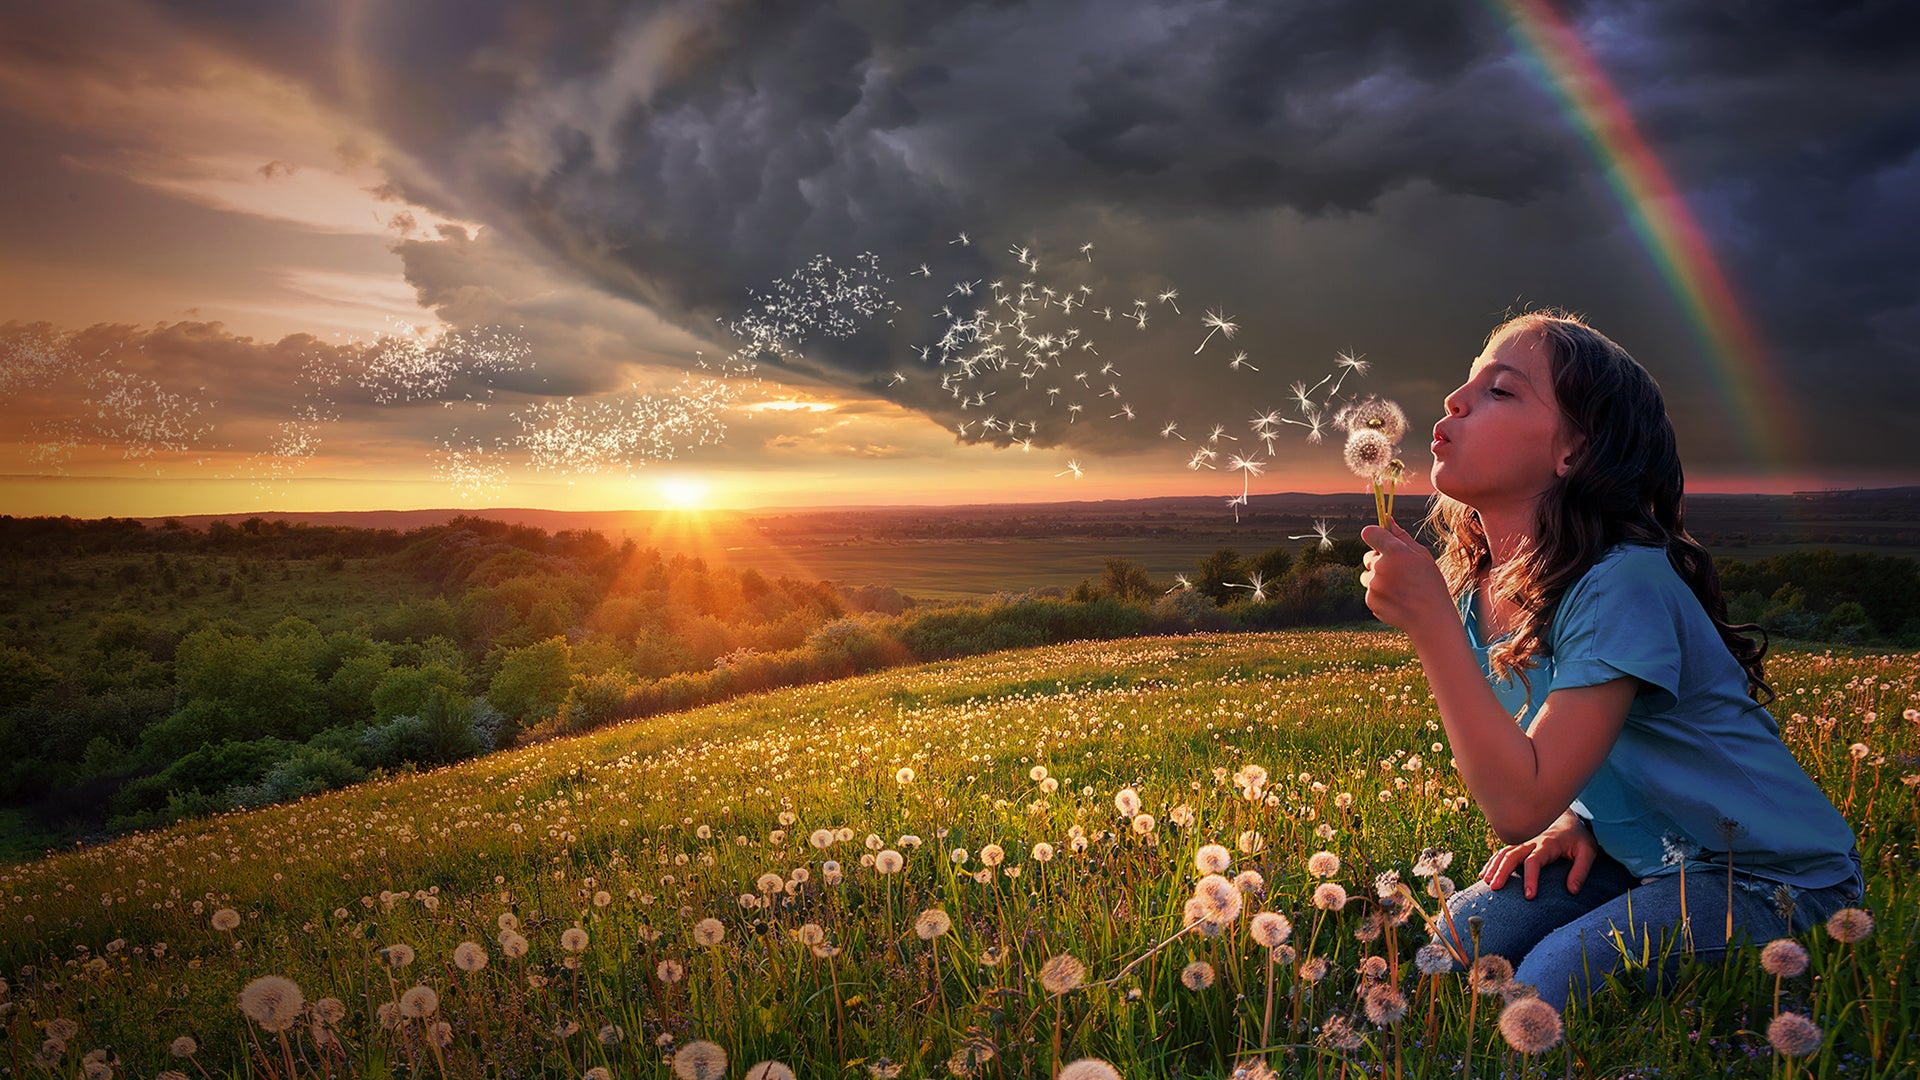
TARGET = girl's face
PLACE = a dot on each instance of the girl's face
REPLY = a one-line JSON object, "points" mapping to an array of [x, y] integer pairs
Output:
{"points": [[1503, 441]]}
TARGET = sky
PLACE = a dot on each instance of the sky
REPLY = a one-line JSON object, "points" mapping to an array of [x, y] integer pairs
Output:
{"points": [[349, 255]]}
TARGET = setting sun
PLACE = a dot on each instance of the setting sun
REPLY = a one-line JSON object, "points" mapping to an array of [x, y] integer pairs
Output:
{"points": [[681, 492]]}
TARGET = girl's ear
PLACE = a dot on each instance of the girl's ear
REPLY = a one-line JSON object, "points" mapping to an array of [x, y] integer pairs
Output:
{"points": [[1573, 451]]}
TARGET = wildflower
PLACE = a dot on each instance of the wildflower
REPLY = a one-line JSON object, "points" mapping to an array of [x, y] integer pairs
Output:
{"points": [[1490, 974], [1793, 1035], [1858, 750], [1212, 859], [1433, 959], [419, 1002], [1440, 887], [1250, 881], [574, 939], [810, 934], [1386, 884], [1530, 1025], [271, 1001], [330, 1010], [1127, 802], [1269, 929], [1337, 1033], [1088, 1069], [932, 923], [1043, 852], [1330, 896], [700, 1060], [507, 921], [184, 1046], [512, 945], [830, 872], [1197, 975], [889, 862], [983, 876], [1385, 1004], [226, 919], [821, 838], [1220, 902], [1323, 864], [1143, 824], [1783, 957], [904, 776], [770, 1070], [602, 898], [566, 1029], [1849, 925], [1368, 452], [992, 855], [469, 956], [709, 931], [1181, 815], [1062, 973], [669, 972], [1432, 863]]}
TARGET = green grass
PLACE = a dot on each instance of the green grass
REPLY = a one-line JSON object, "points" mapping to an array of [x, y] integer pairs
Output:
{"points": [[637, 833]]}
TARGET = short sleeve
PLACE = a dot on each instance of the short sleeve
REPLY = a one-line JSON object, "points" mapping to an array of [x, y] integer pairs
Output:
{"points": [[1625, 617]]}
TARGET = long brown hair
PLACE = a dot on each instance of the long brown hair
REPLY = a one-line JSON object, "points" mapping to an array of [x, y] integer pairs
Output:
{"points": [[1624, 485]]}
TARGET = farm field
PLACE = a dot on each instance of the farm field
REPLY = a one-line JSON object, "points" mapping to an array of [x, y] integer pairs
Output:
{"points": [[980, 867]]}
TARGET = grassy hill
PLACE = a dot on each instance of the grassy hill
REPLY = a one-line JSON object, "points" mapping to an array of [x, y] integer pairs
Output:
{"points": [[605, 857]]}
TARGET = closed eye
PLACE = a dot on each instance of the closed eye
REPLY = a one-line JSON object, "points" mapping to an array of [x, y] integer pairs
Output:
{"points": [[1497, 392]]}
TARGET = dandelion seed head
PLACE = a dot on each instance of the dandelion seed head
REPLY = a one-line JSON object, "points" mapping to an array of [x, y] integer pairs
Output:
{"points": [[1323, 864], [1368, 452], [1849, 925], [1269, 929], [821, 838], [611, 1035], [273, 1002], [700, 1060], [397, 955], [1530, 1025], [1783, 957], [1793, 1035], [573, 939], [1250, 881], [932, 923], [1337, 1033], [889, 862], [1313, 969], [993, 855], [1212, 859], [1220, 902], [419, 1002], [1088, 1069], [1197, 975], [904, 776], [225, 919], [709, 931], [1329, 896], [1490, 974], [669, 972], [1385, 1005], [1433, 959], [512, 945], [1127, 802], [810, 934], [183, 1047], [1042, 852], [1062, 973], [469, 956], [770, 1070], [1373, 413]]}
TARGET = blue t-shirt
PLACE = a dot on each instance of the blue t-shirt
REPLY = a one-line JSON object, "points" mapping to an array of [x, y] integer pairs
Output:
{"points": [[1699, 767]]}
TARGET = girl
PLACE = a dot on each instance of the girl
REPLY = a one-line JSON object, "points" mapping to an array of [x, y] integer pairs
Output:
{"points": [[1568, 596]]}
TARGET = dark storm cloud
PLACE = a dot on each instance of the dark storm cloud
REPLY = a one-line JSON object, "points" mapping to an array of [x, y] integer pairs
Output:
{"points": [[1389, 175]]}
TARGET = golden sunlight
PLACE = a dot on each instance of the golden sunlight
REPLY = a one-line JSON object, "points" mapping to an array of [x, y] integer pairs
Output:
{"points": [[681, 492]]}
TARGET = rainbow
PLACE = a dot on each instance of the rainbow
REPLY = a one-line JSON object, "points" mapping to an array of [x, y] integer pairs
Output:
{"points": [[1739, 362]]}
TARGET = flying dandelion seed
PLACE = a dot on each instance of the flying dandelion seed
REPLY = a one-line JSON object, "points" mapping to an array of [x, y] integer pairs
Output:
{"points": [[1216, 321]]}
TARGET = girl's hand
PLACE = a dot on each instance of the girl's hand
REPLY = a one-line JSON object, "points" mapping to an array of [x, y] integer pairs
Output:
{"points": [[1567, 838], [1403, 583]]}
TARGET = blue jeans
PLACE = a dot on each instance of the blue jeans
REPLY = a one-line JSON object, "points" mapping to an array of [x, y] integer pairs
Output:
{"points": [[1564, 944]]}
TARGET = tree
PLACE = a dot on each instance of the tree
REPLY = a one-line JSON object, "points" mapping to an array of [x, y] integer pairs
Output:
{"points": [[1126, 580], [1213, 573], [1271, 565], [532, 681]]}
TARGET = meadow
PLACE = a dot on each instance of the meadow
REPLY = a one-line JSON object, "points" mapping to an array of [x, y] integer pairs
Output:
{"points": [[989, 866]]}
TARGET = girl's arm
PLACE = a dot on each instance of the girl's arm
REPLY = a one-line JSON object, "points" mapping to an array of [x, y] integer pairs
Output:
{"points": [[1523, 781]]}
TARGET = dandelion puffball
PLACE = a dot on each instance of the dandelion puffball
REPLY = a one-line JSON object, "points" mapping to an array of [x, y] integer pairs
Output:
{"points": [[1212, 859], [226, 919], [272, 1001], [184, 1046], [700, 1060], [1088, 1069], [512, 945], [1373, 413], [904, 776], [1849, 925], [1323, 864], [932, 923], [1062, 973], [1329, 896], [574, 939], [669, 972], [1368, 453], [1386, 1005], [1433, 959], [1219, 902], [1127, 802], [1783, 957], [1043, 852], [709, 931], [469, 956], [992, 855], [1269, 929], [1530, 1025], [889, 862], [1490, 974], [1793, 1035], [770, 1070], [1197, 975], [419, 1002]]}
